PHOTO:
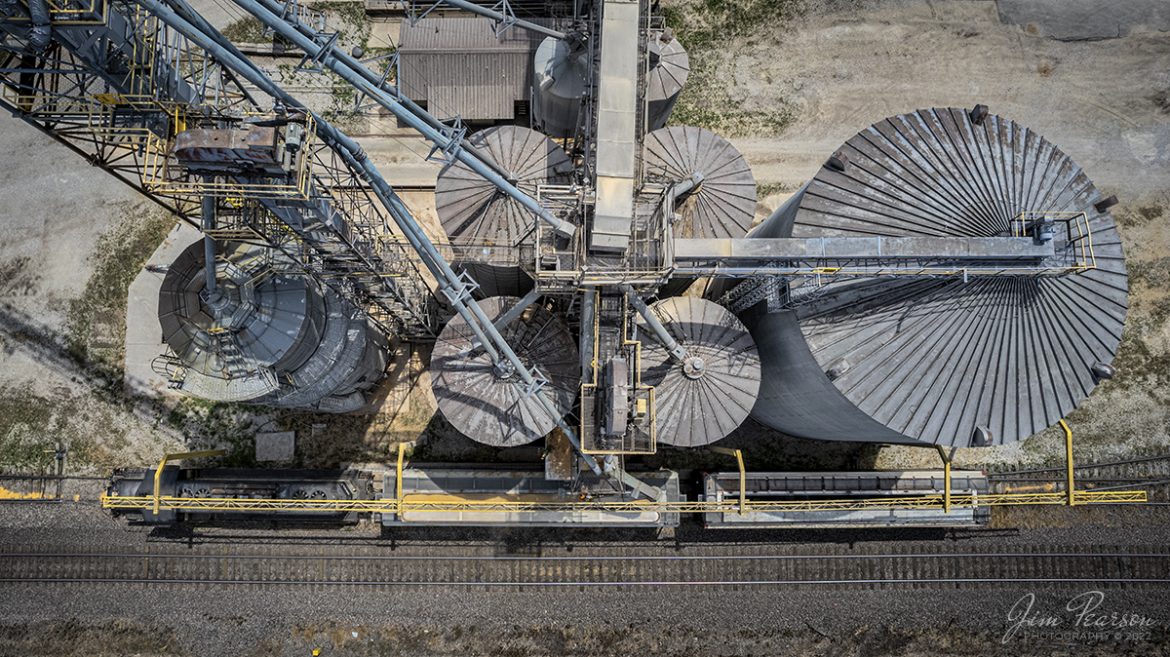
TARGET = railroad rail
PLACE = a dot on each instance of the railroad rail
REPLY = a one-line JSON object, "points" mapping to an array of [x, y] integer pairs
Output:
{"points": [[1036, 565], [1148, 467], [1151, 473]]}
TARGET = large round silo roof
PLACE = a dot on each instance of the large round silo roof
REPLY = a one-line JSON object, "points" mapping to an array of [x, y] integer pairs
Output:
{"points": [[266, 323], [724, 203], [499, 410], [472, 210], [940, 360], [713, 393]]}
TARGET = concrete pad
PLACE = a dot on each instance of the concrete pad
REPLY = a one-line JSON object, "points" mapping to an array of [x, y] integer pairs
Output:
{"points": [[276, 446], [144, 343]]}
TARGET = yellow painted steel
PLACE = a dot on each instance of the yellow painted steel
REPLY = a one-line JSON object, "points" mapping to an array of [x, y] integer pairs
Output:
{"points": [[1070, 482], [648, 402], [738, 454], [513, 504], [946, 459], [156, 499], [398, 476], [6, 494], [163, 173], [1080, 233]]}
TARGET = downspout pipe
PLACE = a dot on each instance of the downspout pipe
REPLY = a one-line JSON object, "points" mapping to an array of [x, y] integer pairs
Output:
{"points": [[208, 223], [504, 18], [358, 66], [676, 350], [352, 72], [41, 33], [686, 185], [351, 152]]}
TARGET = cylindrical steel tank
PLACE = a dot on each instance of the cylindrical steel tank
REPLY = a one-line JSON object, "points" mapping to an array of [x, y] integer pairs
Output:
{"points": [[493, 406], [711, 393], [266, 337], [560, 74], [723, 203], [943, 361], [669, 68], [484, 225]]}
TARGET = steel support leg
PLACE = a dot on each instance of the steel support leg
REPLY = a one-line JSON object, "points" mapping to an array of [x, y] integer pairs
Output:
{"points": [[946, 459], [167, 458], [1070, 482]]}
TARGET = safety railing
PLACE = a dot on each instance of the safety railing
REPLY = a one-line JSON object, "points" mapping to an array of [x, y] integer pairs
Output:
{"points": [[73, 12], [1076, 244], [729, 505], [164, 173]]}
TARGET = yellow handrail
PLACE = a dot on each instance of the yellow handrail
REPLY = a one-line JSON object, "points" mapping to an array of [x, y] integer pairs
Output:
{"points": [[405, 504], [157, 497]]}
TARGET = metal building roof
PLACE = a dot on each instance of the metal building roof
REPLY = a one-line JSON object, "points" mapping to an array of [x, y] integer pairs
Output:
{"points": [[459, 67]]}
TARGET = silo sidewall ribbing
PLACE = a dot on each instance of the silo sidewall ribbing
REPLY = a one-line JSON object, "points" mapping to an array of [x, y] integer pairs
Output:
{"points": [[557, 88]]}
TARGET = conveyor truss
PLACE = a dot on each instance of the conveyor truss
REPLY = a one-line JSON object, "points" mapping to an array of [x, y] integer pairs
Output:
{"points": [[402, 503]]}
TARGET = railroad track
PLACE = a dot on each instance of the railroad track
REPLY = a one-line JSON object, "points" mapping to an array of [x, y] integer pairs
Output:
{"points": [[1151, 473], [1145, 467], [1037, 566]]}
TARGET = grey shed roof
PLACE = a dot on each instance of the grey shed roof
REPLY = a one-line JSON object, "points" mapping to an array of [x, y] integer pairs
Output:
{"points": [[458, 66]]}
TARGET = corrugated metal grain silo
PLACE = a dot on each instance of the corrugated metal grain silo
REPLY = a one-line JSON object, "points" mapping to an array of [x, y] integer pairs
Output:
{"points": [[940, 360], [711, 393], [266, 337], [490, 404], [484, 224], [669, 68]]}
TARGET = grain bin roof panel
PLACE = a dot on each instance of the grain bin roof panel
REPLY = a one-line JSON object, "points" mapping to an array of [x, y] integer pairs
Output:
{"points": [[933, 360], [725, 202], [701, 408], [473, 211], [496, 410]]}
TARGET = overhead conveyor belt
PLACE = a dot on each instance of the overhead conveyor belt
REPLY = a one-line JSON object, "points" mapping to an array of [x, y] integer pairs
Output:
{"points": [[617, 131], [855, 248]]}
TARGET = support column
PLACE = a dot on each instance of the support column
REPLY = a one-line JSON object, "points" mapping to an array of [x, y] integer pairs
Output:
{"points": [[1070, 482]]}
